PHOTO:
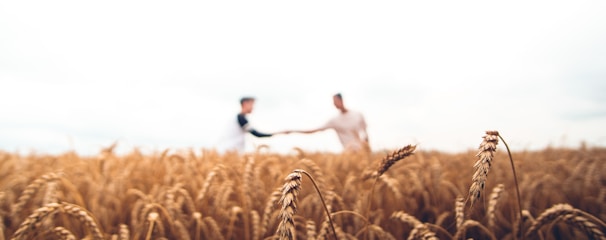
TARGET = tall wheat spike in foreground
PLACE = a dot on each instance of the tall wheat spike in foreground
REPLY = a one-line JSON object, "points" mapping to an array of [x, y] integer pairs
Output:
{"points": [[482, 166], [290, 190]]}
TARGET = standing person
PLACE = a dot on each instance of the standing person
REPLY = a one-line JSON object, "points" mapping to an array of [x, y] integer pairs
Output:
{"points": [[349, 125], [241, 126]]}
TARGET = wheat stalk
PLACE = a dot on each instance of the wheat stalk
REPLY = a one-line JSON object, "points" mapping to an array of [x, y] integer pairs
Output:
{"points": [[290, 190], [247, 193], [325, 225], [152, 219], [157, 217], [199, 226], [482, 166], [315, 170], [526, 215], [327, 211]]}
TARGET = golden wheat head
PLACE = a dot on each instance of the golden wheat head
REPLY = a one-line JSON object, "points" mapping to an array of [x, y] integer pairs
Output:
{"points": [[482, 166], [290, 190]]}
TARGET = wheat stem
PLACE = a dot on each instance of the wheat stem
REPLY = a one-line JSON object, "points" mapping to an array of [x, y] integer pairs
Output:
{"points": [[323, 202], [515, 180]]}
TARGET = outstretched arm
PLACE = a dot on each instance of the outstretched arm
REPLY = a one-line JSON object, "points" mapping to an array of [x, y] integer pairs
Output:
{"points": [[309, 131], [259, 134], [246, 126]]}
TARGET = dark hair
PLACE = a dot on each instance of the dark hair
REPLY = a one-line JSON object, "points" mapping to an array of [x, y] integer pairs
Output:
{"points": [[246, 99], [339, 96]]}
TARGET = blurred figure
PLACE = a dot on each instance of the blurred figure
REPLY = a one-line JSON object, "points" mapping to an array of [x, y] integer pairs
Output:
{"points": [[349, 125], [241, 126]]}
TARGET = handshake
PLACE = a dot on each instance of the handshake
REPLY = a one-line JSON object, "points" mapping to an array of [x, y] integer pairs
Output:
{"points": [[285, 132]]}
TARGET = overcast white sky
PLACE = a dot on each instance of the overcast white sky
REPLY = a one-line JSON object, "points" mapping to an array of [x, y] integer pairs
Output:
{"points": [[168, 74]]}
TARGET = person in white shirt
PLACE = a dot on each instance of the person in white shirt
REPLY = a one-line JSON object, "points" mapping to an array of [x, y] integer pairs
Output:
{"points": [[237, 133], [349, 125]]}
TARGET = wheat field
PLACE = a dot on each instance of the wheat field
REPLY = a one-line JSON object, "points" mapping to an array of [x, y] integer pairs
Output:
{"points": [[201, 194]]}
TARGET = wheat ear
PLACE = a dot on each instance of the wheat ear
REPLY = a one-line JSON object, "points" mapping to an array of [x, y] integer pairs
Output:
{"points": [[123, 233], [256, 223], [180, 230], [459, 214], [269, 206], [482, 166], [460, 234], [207, 182], [63, 233], [290, 190], [31, 189], [380, 233], [592, 230], [310, 227], [32, 221], [84, 217], [419, 231], [214, 229], [233, 216], [2, 229], [552, 215], [390, 160], [492, 203]]}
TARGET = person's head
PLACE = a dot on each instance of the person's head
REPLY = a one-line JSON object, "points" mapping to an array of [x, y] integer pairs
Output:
{"points": [[337, 99], [247, 104]]}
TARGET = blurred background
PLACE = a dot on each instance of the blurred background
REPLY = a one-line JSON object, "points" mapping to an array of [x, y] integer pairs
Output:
{"points": [[80, 75]]}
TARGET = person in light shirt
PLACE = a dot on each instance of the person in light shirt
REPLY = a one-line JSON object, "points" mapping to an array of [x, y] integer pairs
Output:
{"points": [[349, 125]]}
